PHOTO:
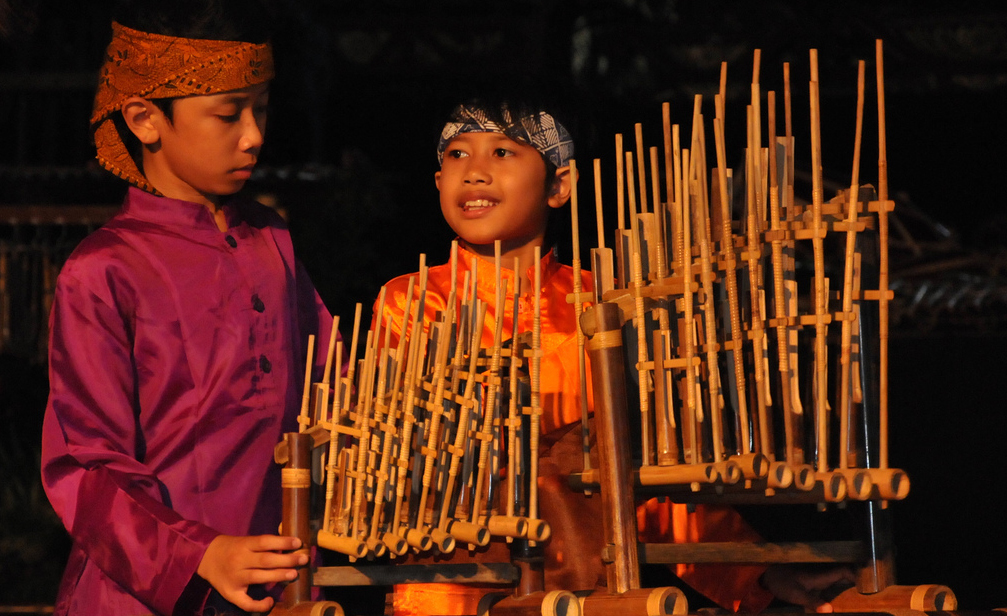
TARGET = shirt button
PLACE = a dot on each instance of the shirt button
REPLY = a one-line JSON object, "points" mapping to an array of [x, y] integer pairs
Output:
{"points": [[264, 364], [257, 304], [233, 243]]}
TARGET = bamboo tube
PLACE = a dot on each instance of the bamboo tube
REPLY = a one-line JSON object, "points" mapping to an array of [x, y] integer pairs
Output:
{"points": [[493, 378], [753, 175], [461, 435], [303, 419], [536, 375], [296, 493], [392, 540], [922, 598], [344, 544], [641, 170], [779, 307], [507, 526], [330, 483], [883, 261], [541, 603], [667, 440], [436, 407], [731, 281], [417, 343], [689, 436], [669, 175], [578, 308], [514, 469], [646, 422], [467, 532], [660, 601], [679, 474], [847, 323], [538, 530], [796, 456], [333, 334], [621, 246], [820, 299], [357, 511], [708, 309], [602, 268], [603, 326], [657, 254]]}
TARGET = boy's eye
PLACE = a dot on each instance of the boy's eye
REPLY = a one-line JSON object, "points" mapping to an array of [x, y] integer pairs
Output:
{"points": [[229, 117], [502, 152], [456, 154]]}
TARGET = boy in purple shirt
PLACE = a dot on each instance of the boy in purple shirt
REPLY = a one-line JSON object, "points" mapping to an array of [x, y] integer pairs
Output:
{"points": [[176, 333]]}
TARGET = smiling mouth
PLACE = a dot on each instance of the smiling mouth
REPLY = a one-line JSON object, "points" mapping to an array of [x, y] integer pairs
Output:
{"points": [[478, 204]]}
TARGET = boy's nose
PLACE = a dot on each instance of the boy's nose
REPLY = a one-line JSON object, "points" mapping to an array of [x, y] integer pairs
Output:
{"points": [[253, 134], [476, 174]]}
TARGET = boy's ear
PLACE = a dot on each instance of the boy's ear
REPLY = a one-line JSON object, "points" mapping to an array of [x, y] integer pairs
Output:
{"points": [[437, 180], [560, 192], [138, 113]]}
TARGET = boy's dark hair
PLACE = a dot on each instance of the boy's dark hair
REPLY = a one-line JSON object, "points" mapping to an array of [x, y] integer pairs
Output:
{"points": [[248, 21]]}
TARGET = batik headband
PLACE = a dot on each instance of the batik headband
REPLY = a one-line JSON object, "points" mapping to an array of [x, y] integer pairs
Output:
{"points": [[541, 131], [158, 66]]}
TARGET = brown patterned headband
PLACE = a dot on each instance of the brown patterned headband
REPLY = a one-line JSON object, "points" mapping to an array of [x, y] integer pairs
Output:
{"points": [[157, 66]]}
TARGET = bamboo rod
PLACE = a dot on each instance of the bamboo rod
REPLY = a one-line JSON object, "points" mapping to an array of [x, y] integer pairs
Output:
{"points": [[689, 436], [303, 419], [754, 251], [820, 299], [536, 375], [731, 280], [578, 308], [847, 323], [796, 456], [883, 260], [641, 169], [646, 422], [493, 377]]}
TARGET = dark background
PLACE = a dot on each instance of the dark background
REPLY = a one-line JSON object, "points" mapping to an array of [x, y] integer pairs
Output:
{"points": [[362, 92]]}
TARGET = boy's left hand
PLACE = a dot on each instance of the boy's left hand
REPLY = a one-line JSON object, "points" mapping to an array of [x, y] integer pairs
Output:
{"points": [[805, 587], [232, 564]]}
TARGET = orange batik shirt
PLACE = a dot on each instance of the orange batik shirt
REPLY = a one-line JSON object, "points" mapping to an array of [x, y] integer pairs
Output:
{"points": [[573, 553]]}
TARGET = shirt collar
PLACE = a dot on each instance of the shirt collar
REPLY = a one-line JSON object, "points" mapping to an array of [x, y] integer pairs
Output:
{"points": [[486, 270], [174, 212]]}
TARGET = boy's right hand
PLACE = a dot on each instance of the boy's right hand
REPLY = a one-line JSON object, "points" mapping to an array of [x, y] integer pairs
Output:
{"points": [[231, 564]]}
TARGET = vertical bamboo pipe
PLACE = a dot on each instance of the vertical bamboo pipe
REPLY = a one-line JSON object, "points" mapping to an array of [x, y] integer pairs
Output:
{"points": [[731, 280], [641, 168], [779, 299], [820, 299], [690, 434], [754, 251], [847, 323], [603, 326], [296, 484], [578, 309], [883, 260]]}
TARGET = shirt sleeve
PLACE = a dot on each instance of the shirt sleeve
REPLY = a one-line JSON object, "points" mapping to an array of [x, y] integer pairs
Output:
{"points": [[112, 504]]}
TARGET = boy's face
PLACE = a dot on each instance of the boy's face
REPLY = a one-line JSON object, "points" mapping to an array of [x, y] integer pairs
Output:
{"points": [[494, 188], [210, 145]]}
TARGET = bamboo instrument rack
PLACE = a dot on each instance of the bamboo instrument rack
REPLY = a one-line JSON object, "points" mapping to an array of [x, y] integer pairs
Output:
{"points": [[750, 383]]}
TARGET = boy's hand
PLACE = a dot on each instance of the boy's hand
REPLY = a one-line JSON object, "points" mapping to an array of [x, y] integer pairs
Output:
{"points": [[808, 588], [231, 564]]}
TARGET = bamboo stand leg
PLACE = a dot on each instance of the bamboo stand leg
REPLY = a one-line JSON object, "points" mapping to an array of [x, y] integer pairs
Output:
{"points": [[602, 324], [296, 484]]}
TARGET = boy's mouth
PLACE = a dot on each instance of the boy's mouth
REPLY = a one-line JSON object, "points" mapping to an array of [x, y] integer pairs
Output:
{"points": [[478, 204]]}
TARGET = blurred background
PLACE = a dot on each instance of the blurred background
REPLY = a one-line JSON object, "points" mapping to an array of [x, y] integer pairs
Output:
{"points": [[362, 93]]}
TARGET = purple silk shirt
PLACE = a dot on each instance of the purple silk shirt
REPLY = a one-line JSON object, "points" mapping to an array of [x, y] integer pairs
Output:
{"points": [[176, 362]]}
